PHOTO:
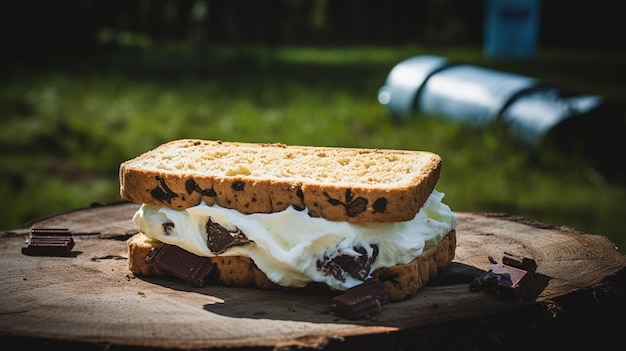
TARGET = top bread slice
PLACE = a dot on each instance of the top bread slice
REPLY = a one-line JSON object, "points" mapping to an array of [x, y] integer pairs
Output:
{"points": [[339, 184]]}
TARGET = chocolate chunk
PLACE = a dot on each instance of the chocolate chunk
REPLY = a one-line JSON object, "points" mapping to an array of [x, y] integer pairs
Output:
{"points": [[191, 186], [527, 264], [220, 239], [372, 287], [353, 206], [510, 280], [167, 227], [238, 186], [49, 242], [380, 205], [344, 265], [360, 301], [162, 192], [355, 307], [300, 194], [188, 266]]}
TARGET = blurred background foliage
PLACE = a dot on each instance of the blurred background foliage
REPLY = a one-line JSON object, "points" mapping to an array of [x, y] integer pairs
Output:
{"points": [[43, 26], [87, 84]]}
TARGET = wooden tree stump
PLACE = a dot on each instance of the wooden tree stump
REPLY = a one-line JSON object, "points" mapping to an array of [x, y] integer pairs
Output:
{"points": [[90, 300]]}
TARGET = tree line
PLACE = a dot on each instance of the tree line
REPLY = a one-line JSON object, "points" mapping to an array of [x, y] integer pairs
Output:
{"points": [[37, 26]]}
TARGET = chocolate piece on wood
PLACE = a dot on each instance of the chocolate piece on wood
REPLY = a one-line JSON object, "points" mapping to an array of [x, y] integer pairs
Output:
{"points": [[363, 300], [190, 267], [49, 242], [372, 287], [355, 306], [510, 280], [527, 264]]}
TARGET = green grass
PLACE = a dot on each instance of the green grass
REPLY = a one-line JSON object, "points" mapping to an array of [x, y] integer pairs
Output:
{"points": [[68, 124]]}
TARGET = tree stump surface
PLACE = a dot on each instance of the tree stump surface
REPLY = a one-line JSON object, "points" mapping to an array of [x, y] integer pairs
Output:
{"points": [[91, 301]]}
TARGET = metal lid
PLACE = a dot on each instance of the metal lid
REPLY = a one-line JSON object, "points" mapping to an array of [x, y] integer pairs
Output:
{"points": [[404, 81]]}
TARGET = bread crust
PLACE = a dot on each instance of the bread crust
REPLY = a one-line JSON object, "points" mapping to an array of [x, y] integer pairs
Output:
{"points": [[401, 281], [242, 182]]}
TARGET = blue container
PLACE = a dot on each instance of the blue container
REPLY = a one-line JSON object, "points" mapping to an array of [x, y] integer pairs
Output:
{"points": [[511, 28]]}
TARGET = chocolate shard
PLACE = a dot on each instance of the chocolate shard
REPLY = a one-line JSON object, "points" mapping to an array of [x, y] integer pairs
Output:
{"points": [[220, 239], [373, 287], [183, 264], [355, 307], [49, 242], [510, 280], [344, 265], [527, 264], [361, 301]]}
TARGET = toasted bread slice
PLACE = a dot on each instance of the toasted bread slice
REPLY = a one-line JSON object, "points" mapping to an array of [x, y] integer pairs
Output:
{"points": [[339, 184], [401, 281]]}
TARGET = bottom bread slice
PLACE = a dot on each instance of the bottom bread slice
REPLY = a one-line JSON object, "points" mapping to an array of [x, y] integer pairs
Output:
{"points": [[401, 281]]}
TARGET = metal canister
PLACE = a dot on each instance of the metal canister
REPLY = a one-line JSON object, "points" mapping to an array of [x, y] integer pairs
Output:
{"points": [[481, 97], [471, 94]]}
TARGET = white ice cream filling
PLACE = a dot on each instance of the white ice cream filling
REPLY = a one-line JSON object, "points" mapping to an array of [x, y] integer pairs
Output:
{"points": [[291, 247]]}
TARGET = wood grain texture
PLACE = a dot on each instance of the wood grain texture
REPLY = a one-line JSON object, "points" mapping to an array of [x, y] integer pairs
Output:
{"points": [[91, 301]]}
